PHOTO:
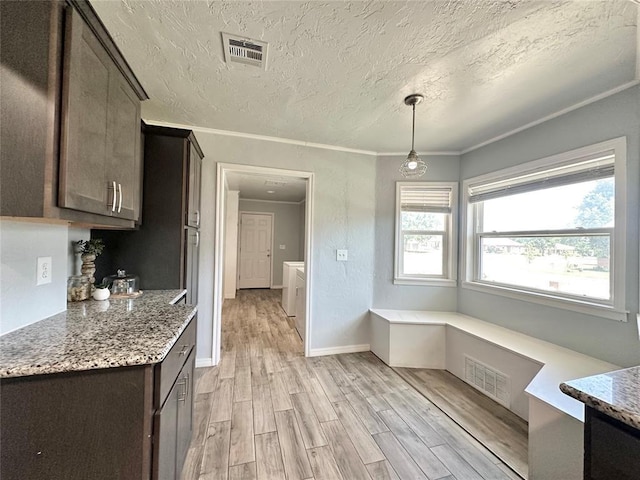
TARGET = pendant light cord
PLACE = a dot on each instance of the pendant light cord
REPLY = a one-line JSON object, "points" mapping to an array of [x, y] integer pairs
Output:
{"points": [[413, 127]]}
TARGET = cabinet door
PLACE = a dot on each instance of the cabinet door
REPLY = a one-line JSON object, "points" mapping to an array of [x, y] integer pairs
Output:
{"points": [[85, 112], [185, 414], [123, 151], [166, 428], [100, 163], [195, 167], [192, 242]]}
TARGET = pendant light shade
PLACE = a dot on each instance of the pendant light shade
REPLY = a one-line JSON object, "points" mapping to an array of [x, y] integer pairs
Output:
{"points": [[413, 167]]}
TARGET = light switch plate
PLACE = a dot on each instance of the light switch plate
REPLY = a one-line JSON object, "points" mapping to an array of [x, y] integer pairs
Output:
{"points": [[43, 271], [342, 255]]}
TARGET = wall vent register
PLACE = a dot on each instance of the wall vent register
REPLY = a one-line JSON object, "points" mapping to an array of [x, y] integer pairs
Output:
{"points": [[245, 50], [488, 380]]}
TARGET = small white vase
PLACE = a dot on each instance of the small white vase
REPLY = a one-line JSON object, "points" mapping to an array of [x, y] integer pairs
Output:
{"points": [[101, 294]]}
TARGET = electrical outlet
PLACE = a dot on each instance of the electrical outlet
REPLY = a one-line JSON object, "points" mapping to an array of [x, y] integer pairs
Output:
{"points": [[341, 255], [43, 271]]}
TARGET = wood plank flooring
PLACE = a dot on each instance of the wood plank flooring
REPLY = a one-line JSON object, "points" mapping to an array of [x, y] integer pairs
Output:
{"points": [[502, 431], [266, 412]]}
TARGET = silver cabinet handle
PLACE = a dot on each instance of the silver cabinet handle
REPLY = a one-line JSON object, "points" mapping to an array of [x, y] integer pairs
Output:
{"points": [[182, 396], [197, 239], [197, 218], [113, 201], [119, 195]]}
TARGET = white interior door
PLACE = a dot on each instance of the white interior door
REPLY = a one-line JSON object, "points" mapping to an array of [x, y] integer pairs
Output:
{"points": [[255, 250]]}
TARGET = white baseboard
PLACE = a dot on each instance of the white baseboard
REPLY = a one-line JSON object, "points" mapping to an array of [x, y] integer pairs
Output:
{"points": [[276, 287], [204, 362], [319, 352]]}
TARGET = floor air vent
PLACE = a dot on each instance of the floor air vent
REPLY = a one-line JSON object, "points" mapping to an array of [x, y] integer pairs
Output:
{"points": [[245, 50], [488, 380]]}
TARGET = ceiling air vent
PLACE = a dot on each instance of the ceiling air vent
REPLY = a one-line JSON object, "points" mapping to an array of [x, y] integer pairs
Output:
{"points": [[245, 50]]}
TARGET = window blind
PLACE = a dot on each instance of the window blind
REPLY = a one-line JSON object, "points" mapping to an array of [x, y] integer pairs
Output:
{"points": [[585, 169], [425, 199]]}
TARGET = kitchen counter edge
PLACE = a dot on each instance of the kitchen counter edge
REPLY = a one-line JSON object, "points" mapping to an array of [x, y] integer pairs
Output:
{"points": [[616, 394], [93, 335]]}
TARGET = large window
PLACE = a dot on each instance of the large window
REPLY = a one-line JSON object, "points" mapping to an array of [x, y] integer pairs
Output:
{"points": [[552, 229], [425, 224]]}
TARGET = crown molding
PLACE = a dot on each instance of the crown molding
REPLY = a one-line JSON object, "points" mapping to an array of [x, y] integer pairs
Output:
{"points": [[559, 113], [264, 138], [289, 141]]}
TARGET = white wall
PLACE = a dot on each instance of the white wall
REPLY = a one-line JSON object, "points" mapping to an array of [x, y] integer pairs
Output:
{"points": [[344, 218], [21, 243], [287, 231], [615, 116], [230, 275], [386, 294]]}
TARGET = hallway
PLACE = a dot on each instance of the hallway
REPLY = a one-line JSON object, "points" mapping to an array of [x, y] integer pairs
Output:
{"points": [[267, 412]]}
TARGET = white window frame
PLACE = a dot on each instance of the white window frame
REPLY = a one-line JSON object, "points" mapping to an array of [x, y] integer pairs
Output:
{"points": [[615, 308], [450, 235]]}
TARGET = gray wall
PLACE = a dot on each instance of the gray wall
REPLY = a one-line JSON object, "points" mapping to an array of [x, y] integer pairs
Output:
{"points": [[410, 297], [615, 116], [301, 219], [287, 231], [344, 206], [21, 243]]}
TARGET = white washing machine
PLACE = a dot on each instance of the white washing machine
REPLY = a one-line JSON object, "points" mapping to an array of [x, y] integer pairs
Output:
{"points": [[289, 287], [300, 301]]}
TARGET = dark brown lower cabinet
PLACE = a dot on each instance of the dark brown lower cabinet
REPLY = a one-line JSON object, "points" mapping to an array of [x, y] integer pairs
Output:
{"points": [[173, 424], [611, 448], [123, 423]]}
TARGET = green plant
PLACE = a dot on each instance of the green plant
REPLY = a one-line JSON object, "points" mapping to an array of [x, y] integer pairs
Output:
{"points": [[94, 246], [103, 284]]}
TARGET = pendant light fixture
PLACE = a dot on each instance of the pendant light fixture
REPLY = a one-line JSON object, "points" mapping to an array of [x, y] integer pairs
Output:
{"points": [[413, 167]]}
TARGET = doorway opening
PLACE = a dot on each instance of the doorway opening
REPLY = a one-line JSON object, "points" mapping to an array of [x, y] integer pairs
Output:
{"points": [[265, 255]]}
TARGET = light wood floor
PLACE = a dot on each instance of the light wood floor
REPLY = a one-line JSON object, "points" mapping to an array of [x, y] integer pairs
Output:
{"points": [[266, 412], [501, 430]]}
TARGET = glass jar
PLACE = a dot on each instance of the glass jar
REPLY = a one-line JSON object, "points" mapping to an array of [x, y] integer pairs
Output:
{"points": [[78, 288]]}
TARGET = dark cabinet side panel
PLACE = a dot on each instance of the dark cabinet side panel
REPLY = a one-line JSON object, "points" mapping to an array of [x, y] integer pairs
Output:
{"points": [[77, 426], [611, 448]]}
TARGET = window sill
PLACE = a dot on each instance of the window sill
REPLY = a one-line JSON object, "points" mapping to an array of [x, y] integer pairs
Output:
{"points": [[586, 308], [426, 282]]}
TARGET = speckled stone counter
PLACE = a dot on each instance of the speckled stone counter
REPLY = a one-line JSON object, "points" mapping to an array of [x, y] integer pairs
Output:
{"points": [[616, 394], [91, 335]]}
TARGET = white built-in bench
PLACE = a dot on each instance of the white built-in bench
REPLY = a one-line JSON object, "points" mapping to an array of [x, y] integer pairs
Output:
{"points": [[440, 340]]}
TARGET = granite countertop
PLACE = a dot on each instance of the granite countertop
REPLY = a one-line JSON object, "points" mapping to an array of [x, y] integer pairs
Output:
{"points": [[91, 335], [616, 394]]}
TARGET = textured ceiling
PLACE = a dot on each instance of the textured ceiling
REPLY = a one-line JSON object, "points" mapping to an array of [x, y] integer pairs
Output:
{"points": [[257, 187], [338, 71]]}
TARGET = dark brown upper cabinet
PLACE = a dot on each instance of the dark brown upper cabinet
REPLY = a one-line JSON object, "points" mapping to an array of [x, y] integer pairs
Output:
{"points": [[70, 126]]}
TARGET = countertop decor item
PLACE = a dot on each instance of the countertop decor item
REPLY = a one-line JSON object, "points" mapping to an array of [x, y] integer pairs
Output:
{"points": [[413, 167], [90, 249], [101, 291], [78, 287], [123, 285]]}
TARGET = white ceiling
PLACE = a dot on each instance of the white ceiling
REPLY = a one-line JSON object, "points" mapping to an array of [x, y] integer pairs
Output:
{"points": [[258, 186], [338, 71]]}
